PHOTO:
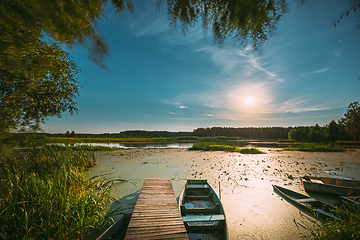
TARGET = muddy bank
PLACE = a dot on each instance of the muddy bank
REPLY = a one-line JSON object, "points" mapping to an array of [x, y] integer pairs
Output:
{"points": [[253, 211]]}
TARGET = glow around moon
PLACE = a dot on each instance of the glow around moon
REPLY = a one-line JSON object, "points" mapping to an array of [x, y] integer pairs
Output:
{"points": [[249, 100]]}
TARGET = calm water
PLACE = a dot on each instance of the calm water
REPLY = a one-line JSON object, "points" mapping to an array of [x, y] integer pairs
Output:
{"points": [[140, 145]]}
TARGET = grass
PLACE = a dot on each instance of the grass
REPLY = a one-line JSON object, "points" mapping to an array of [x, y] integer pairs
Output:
{"points": [[226, 148], [347, 229], [87, 148], [316, 147], [250, 151], [45, 194]]}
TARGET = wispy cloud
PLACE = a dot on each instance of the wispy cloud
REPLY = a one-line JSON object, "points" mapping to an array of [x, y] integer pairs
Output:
{"points": [[255, 64], [148, 21], [242, 64], [337, 52], [315, 72]]}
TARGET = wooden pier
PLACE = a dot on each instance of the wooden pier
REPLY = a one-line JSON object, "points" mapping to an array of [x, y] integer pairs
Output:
{"points": [[156, 214]]}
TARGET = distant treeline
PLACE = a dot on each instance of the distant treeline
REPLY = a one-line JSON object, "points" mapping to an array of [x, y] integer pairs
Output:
{"points": [[123, 134], [328, 133], [241, 133], [245, 133]]}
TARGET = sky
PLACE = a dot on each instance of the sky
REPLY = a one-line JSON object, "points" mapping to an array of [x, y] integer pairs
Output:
{"points": [[307, 73]]}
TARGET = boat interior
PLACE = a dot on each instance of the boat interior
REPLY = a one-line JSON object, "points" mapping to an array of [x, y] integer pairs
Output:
{"points": [[202, 213], [200, 199]]}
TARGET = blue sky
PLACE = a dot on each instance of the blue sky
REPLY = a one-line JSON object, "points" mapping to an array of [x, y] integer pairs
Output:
{"points": [[307, 73]]}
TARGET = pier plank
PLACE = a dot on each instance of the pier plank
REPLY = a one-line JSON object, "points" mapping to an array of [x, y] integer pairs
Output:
{"points": [[156, 214]]}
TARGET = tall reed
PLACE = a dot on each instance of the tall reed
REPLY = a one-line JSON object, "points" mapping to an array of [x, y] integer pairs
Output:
{"points": [[45, 194]]}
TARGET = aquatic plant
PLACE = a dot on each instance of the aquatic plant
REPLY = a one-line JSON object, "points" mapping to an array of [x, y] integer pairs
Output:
{"points": [[226, 148], [249, 151], [46, 195], [316, 147]]}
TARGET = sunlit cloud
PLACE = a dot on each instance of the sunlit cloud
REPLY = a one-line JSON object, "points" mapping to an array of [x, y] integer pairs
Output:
{"points": [[182, 107]]}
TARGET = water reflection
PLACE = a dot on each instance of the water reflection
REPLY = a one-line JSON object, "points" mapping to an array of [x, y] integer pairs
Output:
{"points": [[139, 145]]}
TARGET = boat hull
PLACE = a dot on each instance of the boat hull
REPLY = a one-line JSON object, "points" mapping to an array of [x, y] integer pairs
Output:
{"points": [[331, 186], [202, 211], [117, 230], [308, 205]]}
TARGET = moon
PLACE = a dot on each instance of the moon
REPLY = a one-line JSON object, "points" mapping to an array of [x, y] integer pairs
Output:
{"points": [[249, 100]]}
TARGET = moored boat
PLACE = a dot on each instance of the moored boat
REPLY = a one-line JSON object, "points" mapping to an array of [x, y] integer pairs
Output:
{"points": [[308, 205], [202, 212], [334, 186], [117, 230]]}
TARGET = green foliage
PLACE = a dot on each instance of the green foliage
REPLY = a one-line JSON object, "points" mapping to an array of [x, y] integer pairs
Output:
{"points": [[352, 120], [41, 84], [298, 134], [347, 229], [246, 21], [24, 23], [243, 133], [250, 151], [38, 78], [353, 8], [46, 195], [226, 148], [314, 147], [316, 134], [212, 147]]}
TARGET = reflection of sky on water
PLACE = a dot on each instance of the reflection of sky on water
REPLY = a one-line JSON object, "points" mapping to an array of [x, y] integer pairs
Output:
{"points": [[140, 145]]}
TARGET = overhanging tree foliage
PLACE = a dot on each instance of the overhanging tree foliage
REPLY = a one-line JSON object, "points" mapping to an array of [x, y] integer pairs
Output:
{"points": [[247, 21], [44, 86], [37, 77]]}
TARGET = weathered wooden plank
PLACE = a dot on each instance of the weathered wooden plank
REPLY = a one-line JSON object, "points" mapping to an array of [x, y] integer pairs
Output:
{"points": [[156, 214]]}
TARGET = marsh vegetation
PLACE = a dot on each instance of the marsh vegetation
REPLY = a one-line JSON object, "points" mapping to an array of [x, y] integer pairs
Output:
{"points": [[226, 148], [47, 195]]}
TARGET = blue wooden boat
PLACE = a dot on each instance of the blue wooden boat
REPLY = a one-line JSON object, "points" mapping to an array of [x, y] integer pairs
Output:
{"points": [[308, 205], [202, 212], [117, 230], [336, 186]]}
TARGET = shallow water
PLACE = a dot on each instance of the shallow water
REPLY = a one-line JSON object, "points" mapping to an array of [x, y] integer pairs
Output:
{"points": [[252, 210], [140, 145]]}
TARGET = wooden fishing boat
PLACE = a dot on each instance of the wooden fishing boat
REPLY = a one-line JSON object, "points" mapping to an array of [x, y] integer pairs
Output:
{"points": [[117, 230], [202, 211], [334, 186], [351, 203], [308, 205]]}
